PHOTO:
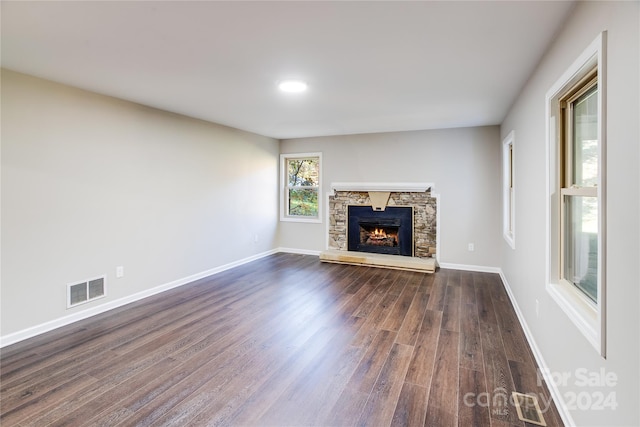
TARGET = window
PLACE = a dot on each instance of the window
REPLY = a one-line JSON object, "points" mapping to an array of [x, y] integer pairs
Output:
{"points": [[575, 203], [300, 183], [508, 192], [579, 186]]}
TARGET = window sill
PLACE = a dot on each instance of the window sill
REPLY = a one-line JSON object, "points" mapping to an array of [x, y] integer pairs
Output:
{"points": [[508, 237], [301, 219], [579, 309]]}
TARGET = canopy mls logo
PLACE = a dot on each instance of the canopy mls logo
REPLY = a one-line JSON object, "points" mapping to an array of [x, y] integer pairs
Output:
{"points": [[501, 402], [595, 392]]}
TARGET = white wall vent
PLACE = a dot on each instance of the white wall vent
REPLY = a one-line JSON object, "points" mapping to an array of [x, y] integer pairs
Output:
{"points": [[82, 292]]}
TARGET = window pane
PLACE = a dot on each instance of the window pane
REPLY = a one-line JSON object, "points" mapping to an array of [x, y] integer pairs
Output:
{"points": [[303, 202], [585, 139], [303, 172], [581, 243], [511, 209]]}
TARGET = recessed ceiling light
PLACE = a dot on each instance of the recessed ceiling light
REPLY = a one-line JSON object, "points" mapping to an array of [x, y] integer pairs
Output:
{"points": [[292, 86]]}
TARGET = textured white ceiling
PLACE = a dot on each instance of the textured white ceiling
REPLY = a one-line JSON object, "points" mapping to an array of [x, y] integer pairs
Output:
{"points": [[371, 66]]}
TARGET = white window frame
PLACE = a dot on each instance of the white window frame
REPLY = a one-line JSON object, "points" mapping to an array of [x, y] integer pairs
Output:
{"points": [[587, 316], [284, 188], [508, 190]]}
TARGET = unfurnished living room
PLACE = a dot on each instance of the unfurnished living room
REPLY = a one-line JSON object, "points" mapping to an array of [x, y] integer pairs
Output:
{"points": [[320, 213]]}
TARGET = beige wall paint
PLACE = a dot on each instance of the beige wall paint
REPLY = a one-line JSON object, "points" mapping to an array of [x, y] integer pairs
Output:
{"points": [[91, 182], [563, 347], [463, 163]]}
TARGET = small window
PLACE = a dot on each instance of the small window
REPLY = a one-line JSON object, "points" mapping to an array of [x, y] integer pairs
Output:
{"points": [[576, 220], [508, 191], [300, 183]]}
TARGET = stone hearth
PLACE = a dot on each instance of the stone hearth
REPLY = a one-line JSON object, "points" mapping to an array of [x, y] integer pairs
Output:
{"points": [[424, 226]]}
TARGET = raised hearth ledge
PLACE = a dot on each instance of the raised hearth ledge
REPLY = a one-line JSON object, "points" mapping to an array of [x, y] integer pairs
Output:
{"points": [[397, 187], [422, 265]]}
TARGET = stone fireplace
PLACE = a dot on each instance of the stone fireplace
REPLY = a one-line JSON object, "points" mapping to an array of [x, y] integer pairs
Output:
{"points": [[365, 218], [384, 232]]}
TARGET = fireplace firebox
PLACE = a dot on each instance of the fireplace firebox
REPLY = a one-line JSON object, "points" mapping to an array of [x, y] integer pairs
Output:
{"points": [[385, 232]]}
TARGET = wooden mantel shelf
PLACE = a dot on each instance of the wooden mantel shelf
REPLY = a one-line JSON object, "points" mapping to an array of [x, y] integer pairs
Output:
{"points": [[400, 187]]}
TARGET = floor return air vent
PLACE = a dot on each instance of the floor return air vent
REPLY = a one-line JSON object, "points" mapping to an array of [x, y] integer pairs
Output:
{"points": [[528, 409]]}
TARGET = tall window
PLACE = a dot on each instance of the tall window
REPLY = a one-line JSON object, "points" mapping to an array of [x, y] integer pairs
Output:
{"points": [[579, 185], [300, 181], [576, 220], [508, 191]]}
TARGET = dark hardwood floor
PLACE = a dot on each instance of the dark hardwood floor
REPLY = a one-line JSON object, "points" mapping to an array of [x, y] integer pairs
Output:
{"points": [[285, 340]]}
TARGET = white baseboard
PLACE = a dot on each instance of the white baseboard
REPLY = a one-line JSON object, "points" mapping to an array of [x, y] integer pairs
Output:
{"points": [[464, 267], [299, 251], [84, 314], [553, 389]]}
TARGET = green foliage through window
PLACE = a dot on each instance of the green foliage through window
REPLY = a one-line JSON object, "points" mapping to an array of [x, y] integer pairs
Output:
{"points": [[303, 202], [302, 184]]}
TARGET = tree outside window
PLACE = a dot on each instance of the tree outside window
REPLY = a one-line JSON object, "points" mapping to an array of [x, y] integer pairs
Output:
{"points": [[302, 187]]}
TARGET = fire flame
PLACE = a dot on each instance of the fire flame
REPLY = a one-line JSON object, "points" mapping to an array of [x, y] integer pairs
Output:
{"points": [[378, 232]]}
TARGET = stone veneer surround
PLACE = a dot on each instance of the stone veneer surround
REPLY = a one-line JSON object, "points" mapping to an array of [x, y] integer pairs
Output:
{"points": [[424, 218]]}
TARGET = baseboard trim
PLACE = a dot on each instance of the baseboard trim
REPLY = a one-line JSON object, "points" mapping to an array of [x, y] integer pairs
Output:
{"points": [[465, 267], [299, 251], [553, 389], [84, 314]]}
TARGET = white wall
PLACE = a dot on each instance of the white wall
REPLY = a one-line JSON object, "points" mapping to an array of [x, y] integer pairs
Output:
{"points": [[463, 163], [564, 349], [91, 182]]}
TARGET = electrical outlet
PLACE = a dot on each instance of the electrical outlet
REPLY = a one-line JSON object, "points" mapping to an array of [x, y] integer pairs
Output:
{"points": [[471, 247], [255, 238], [119, 272]]}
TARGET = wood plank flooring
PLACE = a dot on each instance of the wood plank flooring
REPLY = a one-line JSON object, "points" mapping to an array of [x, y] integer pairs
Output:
{"points": [[285, 340]]}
